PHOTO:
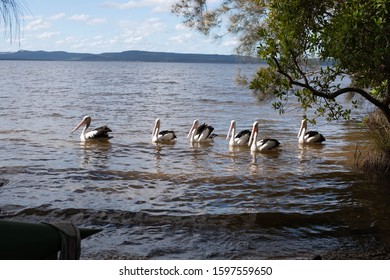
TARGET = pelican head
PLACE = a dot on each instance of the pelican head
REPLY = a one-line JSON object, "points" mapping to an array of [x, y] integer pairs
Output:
{"points": [[86, 121], [303, 127], [156, 128], [232, 129], [194, 126]]}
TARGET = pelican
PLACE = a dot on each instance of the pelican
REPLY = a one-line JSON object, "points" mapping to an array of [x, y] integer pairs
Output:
{"points": [[239, 139], [100, 133], [262, 145], [309, 137], [162, 136], [201, 133]]}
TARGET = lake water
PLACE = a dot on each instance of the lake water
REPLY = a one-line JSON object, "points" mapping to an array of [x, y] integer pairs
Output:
{"points": [[179, 201]]}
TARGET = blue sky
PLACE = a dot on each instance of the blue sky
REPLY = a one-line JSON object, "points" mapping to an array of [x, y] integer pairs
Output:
{"points": [[98, 26]]}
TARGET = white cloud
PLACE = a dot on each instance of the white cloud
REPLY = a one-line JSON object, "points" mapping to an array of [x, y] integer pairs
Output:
{"points": [[180, 39], [123, 6], [113, 41], [132, 35], [130, 39], [66, 42], [69, 39], [87, 19], [94, 44], [82, 17], [80, 46], [146, 28], [47, 35], [155, 24], [136, 34], [96, 21], [230, 43], [57, 16], [36, 24], [158, 6], [181, 26]]}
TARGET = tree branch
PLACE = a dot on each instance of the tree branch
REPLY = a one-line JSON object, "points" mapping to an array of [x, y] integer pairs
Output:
{"points": [[300, 70], [332, 95]]}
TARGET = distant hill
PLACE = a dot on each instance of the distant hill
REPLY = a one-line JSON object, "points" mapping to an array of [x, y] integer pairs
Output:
{"points": [[142, 56]]}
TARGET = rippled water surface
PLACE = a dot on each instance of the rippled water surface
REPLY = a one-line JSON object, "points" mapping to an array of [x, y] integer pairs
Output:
{"points": [[178, 201]]}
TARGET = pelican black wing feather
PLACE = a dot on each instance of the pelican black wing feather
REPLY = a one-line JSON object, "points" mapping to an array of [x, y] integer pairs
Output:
{"points": [[312, 133], [204, 127], [165, 132], [102, 132], [277, 143], [320, 137], [242, 133]]}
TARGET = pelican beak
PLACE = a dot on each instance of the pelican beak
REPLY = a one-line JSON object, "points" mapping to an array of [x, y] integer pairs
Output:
{"points": [[156, 127], [303, 123], [193, 127], [254, 129], [77, 126], [230, 130]]}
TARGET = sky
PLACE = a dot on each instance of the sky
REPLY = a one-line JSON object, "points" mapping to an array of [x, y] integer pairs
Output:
{"points": [[97, 26]]}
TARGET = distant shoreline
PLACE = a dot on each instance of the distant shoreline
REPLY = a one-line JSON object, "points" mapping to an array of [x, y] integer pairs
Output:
{"points": [[133, 56]]}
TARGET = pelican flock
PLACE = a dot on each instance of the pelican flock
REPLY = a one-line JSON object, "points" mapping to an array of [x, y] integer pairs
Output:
{"points": [[201, 133], [239, 139], [309, 137], [162, 136], [100, 133], [262, 145], [204, 133]]}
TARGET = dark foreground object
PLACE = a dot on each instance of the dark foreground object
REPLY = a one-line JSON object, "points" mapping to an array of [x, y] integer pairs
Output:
{"points": [[38, 241]]}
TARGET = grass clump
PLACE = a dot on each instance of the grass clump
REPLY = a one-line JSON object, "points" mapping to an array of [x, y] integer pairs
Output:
{"points": [[377, 156]]}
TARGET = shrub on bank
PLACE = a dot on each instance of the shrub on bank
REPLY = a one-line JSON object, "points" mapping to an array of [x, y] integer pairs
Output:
{"points": [[377, 156]]}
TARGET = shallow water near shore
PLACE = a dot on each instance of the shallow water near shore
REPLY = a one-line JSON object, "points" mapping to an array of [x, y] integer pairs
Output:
{"points": [[179, 201]]}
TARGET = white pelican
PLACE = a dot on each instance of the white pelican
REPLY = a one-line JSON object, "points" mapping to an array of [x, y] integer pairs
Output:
{"points": [[201, 133], [309, 137], [239, 139], [263, 144], [100, 133], [162, 136]]}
